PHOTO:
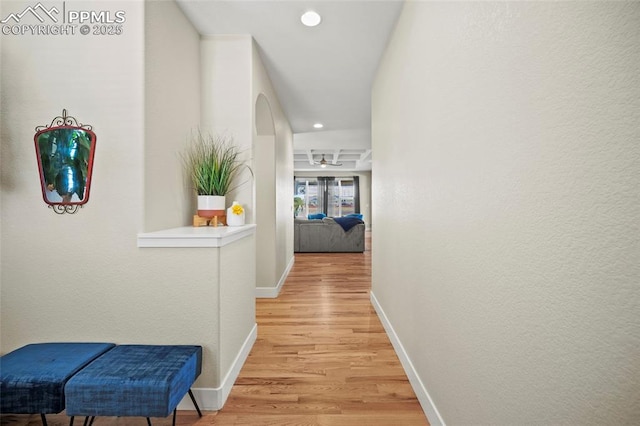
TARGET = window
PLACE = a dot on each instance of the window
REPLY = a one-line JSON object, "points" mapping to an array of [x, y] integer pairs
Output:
{"points": [[333, 196]]}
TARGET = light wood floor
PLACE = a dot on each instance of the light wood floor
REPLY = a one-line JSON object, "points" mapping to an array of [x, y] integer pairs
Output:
{"points": [[321, 358]]}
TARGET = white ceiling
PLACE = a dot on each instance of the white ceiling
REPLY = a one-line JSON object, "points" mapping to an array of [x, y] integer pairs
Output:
{"points": [[321, 74]]}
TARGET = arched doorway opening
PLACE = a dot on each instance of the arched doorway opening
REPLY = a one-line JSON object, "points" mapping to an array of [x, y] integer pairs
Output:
{"points": [[264, 165]]}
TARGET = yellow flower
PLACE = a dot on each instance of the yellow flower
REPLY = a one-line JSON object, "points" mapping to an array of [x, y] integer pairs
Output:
{"points": [[237, 209]]}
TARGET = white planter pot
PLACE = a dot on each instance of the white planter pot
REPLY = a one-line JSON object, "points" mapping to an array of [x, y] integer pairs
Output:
{"points": [[211, 205]]}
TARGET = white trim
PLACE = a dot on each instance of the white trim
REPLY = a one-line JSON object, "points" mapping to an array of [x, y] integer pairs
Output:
{"points": [[426, 402], [192, 236], [273, 292], [214, 398]]}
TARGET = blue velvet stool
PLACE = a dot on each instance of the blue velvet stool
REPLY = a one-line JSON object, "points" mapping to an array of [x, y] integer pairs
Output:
{"points": [[135, 380], [33, 377]]}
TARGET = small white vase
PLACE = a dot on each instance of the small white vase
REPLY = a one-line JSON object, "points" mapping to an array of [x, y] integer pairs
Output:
{"points": [[234, 219], [211, 205]]}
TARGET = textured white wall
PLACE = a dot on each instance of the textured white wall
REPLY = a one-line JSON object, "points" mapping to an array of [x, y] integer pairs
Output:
{"points": [[284, 200], [237, 306], [64, 276], [275, 241], [226, 102], [264, 169], [505, 196], [172, 115], [81, 277]]}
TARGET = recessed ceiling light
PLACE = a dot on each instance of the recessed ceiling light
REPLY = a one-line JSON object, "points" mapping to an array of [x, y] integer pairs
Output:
{"points": [[318, 126], [310, 18]]}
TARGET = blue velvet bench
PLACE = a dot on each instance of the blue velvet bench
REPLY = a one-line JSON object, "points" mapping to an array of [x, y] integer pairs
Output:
{"points": [[33, 377], [135, 380]]}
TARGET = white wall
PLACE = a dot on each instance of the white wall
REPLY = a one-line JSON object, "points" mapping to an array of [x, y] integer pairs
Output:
{"points": [[275, 241], [172, 99], [264, 170], [226, 102], [506, 203], [63, 276], [81, 277], [233, 77]]}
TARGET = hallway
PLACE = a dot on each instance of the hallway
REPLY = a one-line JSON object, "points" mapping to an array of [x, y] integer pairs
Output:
{"points": [[322, 356]]}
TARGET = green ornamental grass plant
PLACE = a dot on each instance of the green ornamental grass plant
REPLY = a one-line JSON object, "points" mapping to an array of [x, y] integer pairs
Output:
{"points": [[212, 163]]}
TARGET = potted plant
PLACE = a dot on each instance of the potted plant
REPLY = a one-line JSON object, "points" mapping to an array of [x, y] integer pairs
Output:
{"points": [[212, 163]]}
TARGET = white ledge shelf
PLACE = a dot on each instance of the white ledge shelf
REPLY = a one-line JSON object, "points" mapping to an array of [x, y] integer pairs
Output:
{"points": [[190, 236]]}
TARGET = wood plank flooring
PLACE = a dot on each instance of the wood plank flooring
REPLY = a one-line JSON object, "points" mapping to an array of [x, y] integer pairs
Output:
{"points": [[321, 358]]}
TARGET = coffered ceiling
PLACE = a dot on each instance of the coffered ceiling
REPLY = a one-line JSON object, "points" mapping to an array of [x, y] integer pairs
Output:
{"points": [[322, 74]]}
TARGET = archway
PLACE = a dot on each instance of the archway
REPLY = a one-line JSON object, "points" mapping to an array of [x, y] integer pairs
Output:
{"points": [[264, 165]]}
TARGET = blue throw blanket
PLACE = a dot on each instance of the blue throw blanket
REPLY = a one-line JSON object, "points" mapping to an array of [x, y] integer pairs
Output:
{"points": [[347, 222]]}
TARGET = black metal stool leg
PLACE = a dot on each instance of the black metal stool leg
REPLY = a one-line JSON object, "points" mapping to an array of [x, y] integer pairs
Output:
{"points": [[193, 399], [44, 419], [175, 410], [71, 420], [91, 421], [148, 421]]}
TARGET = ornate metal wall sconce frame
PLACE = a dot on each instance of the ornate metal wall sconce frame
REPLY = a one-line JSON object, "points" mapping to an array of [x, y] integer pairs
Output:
{"points": [[65, 150]]}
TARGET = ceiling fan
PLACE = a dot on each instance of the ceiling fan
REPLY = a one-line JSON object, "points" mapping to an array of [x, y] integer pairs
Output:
{"points": [[324, 163]]}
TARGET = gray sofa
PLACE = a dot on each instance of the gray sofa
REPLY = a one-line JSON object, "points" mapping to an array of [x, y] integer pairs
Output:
{"points": [[326, 236]]}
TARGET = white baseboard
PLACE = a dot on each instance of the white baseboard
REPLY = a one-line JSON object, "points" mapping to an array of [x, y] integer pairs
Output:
{"points": [[213, 399], [273, 292], [426, 402]]}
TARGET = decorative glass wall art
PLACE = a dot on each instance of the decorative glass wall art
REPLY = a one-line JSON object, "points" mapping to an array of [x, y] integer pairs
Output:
{"points": [[65, 152]]}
